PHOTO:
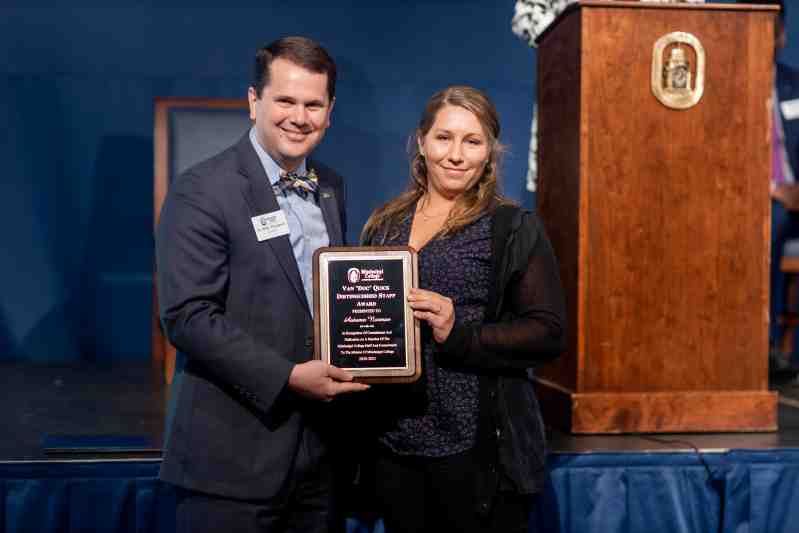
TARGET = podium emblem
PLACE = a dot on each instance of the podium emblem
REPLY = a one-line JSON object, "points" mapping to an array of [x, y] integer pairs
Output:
{"points": [[678, 70]]}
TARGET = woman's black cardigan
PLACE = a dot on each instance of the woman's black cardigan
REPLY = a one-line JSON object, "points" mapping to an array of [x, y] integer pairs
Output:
{"points": [[524, 326]]}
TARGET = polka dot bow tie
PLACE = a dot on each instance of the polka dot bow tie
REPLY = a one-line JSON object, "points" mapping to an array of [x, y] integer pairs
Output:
{"points": [[303, 186]]}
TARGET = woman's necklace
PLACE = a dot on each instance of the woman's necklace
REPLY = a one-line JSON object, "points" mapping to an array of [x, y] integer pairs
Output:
{"points": [[423, 205], [434, 216]]}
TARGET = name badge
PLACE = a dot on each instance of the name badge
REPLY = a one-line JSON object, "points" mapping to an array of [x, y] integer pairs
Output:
{"points": [[790, 109], [270, 225]]}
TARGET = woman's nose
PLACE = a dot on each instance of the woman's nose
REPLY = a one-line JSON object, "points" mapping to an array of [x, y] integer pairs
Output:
{"points": [[455, 155]]}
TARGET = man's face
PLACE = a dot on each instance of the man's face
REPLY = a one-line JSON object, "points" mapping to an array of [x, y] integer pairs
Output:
{"points": [[292, 113]]}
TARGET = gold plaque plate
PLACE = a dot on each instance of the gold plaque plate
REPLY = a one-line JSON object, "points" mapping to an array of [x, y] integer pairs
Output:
{"points": [[678, 70]]}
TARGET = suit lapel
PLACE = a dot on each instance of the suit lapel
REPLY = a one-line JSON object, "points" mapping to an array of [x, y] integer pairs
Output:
{"points": [[329, 206], [262, 200]]}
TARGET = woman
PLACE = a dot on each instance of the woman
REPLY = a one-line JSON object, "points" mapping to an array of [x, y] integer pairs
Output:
{"points": [[463, 449]]}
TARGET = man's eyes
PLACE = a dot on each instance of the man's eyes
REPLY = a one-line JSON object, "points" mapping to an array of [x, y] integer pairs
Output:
{"points": [[287, 102]]}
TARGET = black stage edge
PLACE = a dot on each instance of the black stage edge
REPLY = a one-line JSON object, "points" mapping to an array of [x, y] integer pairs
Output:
{"points": [[87, 411]]}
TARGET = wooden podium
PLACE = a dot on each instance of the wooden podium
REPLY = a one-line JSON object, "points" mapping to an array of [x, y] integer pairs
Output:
{"points": [[660, 216]]}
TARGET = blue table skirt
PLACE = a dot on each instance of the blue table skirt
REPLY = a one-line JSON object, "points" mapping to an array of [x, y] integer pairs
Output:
{"points": [[737, 491]]}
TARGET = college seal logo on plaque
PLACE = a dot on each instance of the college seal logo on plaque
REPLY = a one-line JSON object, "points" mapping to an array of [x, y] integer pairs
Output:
{"points": [[678, 70]]}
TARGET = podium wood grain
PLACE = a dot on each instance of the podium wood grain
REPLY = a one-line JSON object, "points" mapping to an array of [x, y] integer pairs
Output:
{"points": [[660, 221]]}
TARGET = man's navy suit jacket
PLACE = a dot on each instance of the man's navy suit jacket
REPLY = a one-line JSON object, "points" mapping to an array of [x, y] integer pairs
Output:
{"points": [[236, 310]]}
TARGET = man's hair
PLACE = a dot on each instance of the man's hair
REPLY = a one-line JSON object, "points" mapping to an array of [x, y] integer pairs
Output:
{"points": [[301, 51], [780, 3]]}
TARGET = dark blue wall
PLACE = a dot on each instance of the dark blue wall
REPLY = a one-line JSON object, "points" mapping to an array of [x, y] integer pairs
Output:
{"points": [[76, 97]]}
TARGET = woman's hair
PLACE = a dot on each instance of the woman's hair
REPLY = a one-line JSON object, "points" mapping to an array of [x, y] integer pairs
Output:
{"points": [[481, 196]]}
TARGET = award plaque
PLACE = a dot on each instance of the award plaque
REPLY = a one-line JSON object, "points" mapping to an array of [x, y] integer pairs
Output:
{"points": [[362, 319]]}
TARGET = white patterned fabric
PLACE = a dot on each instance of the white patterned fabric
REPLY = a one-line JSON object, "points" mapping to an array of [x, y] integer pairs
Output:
{"points": [[531, 17]]}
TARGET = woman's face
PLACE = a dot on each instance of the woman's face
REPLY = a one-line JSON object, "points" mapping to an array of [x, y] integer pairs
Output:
{"points": [[456, 151]]}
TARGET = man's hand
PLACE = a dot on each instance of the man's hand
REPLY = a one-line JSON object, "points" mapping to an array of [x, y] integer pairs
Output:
{"points": [[319, 381]]}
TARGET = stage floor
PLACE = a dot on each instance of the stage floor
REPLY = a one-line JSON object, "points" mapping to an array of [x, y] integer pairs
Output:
{"points": [[89, 400], [80, 399]]}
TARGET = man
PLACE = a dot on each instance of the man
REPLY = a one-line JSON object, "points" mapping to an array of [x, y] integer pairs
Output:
{"points": [[246, 442], [784, 189]]}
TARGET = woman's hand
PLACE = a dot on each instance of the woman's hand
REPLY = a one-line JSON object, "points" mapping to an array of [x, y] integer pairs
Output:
{"points": [[436, 310]]}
